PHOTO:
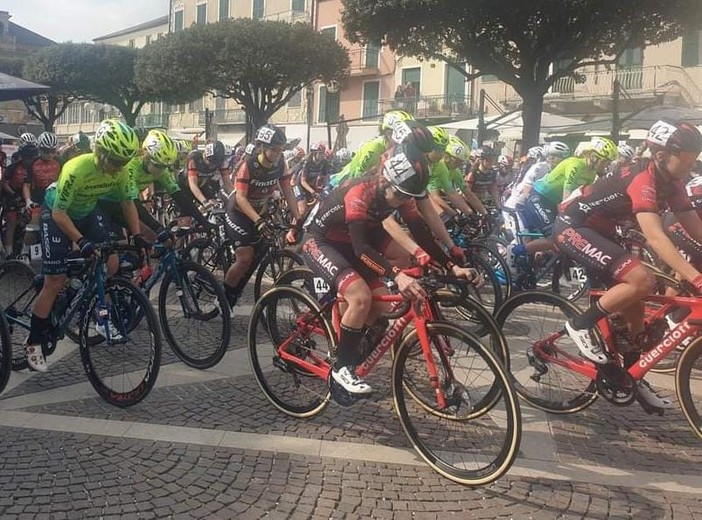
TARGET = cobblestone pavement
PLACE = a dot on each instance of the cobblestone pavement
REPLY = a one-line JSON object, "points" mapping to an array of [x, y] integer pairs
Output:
{"points": [[206, 444]]}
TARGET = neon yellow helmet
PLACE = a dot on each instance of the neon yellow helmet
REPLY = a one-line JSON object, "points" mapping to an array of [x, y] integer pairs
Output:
{"points": [[393, 117], [604, 148], [441, 137], [116, 140], [160, 148], [457, 149]]}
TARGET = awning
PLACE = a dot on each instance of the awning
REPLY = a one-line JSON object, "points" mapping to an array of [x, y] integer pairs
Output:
{"points": [[232, 139], [18, 88], [3, 135]]}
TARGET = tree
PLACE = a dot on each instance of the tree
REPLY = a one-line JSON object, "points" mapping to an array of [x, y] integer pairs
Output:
{"points": [[11, 66], [259, 64], [519, 41]]}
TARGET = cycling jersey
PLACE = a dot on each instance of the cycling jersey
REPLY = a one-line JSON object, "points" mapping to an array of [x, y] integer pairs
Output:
{"points": [[40, 175], [445, 180], [15, 175], [81, 184], [258, 182], [368, 155], [568, 175], [533, 174], [195, 167], [482, 182], [140, 179], [316, 174]]}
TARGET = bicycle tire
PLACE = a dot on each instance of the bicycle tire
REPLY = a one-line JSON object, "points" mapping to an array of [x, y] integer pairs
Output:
{"points": [[272, 266], [498, 263], [564, 268], [687, 375], [301, 394], [16, 279], [440, 445], [516, 318], [206, 252], [102, 361], [490, 294], [204, 354], [5, 351]]}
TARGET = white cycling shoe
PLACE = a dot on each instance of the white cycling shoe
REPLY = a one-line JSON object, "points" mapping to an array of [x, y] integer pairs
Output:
{"points": [[115, 334], [588, 347], [35, 358], [350, 382], [649, 399]]}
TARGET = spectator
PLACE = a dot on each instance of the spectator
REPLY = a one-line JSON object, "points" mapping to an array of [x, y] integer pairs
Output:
{"points": [[342, 130], [410, 98], [399, 97]]}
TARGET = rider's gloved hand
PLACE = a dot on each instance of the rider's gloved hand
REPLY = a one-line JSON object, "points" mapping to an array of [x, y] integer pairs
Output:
{"points": [[139, 241], [87, 248], [264, 229], [164, 235], [458, 255]]}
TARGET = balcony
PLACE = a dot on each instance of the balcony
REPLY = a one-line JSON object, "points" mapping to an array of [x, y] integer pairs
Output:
{"points": [[152, 121], [288, 17], [364, 62], [428, 107], [234, 115]]}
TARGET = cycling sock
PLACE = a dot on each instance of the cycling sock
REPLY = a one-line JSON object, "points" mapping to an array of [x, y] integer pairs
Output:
{"points": [[590, 317], [39, 329], [349, 341]]}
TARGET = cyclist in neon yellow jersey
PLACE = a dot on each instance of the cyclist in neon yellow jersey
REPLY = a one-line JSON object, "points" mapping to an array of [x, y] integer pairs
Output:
{"points": [[446, 180], [70, 215]]}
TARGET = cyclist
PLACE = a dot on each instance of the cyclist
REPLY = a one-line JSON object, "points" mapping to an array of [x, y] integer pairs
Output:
{"points": [[585, 229], [315, 172], [41, 172], [203, 172], [70, 215], [255, 181], [677, 233], [77, 144], [483, 178], [625, 157], [345, 246], [342, 157], [446, 181], [12, 188]]}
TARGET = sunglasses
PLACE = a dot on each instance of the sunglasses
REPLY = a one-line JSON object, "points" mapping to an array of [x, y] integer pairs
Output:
{"points": [[116, 163]]}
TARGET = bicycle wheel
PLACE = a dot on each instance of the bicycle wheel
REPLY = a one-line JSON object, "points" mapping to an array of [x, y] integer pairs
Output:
{"points": [[475, 439], [688, 384], [17, 292], [5, 351], [489, 294], [537, 317], [124, 371], [194, 315], [498, 264], [206, 252], [569, 279], [272, 266], [286, 317]]}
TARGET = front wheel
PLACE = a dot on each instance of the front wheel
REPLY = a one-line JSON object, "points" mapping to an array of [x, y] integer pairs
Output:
{"points": [[122, 369], [272, 266], [474, 439], [194, 315], [688, 385]]}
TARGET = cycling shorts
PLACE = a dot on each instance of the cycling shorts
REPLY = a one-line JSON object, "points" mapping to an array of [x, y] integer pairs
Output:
{"points": [[684, 242], [56, 246], [595, 252], [538, 214], [239, 228], [336, 262]]}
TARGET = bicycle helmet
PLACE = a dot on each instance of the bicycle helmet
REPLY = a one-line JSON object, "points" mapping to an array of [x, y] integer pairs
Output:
{"points": [[604, 148], [487, 152], [318, 147], [626, 151], [299, 152], [27, 138], [271, 135], [160, 148], [116, 140], [536, 153], [287, 155], [214, 152], [28, 151], [415, 134], [404, 177], [675, 137], [393, 117], [457, 149], [80, 141], [556, 149], [343, 155], [503, 161], [47, 141], [441, 137], [694, 191]]}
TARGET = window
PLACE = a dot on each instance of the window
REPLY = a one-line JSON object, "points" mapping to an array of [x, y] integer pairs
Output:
{"points": [[131, 43], [223, 9], [220, 103], [371, 95], [178, 21], [328, 106], [565, 84], [201, 14], [455, 82], [629, 69], [488, 78], [148, 39], [298, 6], [691, 49], [296, 99], [331, 31], [159, 36], [259, 9], [197, 105], [372, 55], [412, 76]]}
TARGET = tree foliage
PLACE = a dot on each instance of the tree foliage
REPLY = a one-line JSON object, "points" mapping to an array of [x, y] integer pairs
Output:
{"points": [[518, 40], [259, 64], [11, 65]]}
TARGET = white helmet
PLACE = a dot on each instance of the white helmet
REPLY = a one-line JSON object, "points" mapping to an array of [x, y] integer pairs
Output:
{"points": [[343, 155], [536, 152], [47, 140], [503, 161], [626, 151], [557, 149], [28, 138], [287, 155]]}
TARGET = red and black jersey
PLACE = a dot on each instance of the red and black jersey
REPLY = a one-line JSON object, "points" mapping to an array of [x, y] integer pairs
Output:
{"points": [[196, 167], [362, 200], [258, 182], [41, 173], [482, 182], [640, 188], [316, 174]]}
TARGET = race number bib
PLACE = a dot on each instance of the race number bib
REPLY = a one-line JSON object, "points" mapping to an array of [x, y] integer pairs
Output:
{"points": [[320, 285]]}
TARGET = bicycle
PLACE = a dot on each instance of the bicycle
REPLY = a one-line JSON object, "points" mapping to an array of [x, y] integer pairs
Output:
{"points": [[190, 299], [439, 370], [5, 351], [549, 373], [121, 369]]}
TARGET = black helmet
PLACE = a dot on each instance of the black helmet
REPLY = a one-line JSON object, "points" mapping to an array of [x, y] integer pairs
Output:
{"points": [[415, 134], [271, 135], [487, 152], [28, 150], [214, 152], [404, 175]]}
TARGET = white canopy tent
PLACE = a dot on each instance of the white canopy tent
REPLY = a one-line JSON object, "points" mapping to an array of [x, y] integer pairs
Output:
{"points": [[510, 125]]}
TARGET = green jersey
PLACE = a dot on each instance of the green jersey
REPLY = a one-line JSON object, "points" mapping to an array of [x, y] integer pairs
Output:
{"points": [[80, 185], [443, 179], [140, 179], [368, 155], [568, 175]]}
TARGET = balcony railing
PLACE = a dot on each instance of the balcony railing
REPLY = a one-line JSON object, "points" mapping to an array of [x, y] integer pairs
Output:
{"points": [[152, 121], [425, 107], [288, 17], [234, 115], [364, 61]]}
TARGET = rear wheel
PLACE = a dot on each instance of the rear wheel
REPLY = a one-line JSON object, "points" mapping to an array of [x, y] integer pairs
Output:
{"points": [[688, 385], [5, 351], [17, 293]]}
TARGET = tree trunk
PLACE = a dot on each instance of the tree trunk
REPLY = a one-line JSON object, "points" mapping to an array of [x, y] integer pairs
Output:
{"points": [[532, 108]]}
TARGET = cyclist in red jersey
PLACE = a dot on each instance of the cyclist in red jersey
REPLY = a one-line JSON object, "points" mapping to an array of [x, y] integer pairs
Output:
{"points": [[12, 185], [584, 232], [345, 246], [41, 172]]}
